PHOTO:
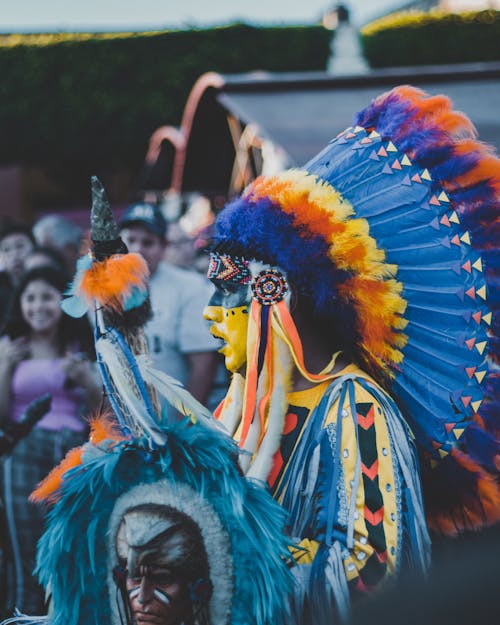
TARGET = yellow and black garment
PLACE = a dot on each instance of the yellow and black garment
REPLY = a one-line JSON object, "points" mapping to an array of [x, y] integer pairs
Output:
{"points": [[346, 472]]}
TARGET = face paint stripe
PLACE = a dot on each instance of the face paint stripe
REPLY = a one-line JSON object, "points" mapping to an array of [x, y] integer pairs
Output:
{"points": [[134, 592], [162, 596]]}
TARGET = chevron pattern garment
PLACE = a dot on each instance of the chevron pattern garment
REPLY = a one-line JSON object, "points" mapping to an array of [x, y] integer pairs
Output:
{"points": [[342, 473]]}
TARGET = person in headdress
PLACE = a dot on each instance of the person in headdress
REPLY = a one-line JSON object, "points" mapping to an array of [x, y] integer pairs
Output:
{"points": [[168, 575], [356, 301], [149, 522]]}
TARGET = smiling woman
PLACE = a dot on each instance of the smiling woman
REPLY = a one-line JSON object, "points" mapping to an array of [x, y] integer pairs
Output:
{"points": [[41, 306], [42, 350]]}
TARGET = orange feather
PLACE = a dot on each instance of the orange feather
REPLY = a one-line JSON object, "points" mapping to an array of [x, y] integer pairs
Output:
{"points": [[102, 428], [379, 309], [487, 506], [111, 280], [48, 488], [488, 169]]}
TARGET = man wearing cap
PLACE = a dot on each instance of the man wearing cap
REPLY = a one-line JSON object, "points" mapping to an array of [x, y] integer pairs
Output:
{"points": [[179, 341]]}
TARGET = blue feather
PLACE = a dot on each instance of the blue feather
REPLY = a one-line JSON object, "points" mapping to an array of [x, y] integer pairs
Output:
{"points": [[197, 456], [74, 305], [135, 298]]}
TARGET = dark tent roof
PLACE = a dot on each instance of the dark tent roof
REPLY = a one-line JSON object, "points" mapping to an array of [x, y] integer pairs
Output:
{"points": [[302, 112]]}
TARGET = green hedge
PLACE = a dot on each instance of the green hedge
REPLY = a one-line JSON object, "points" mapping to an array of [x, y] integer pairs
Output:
{"points": [[416, 38], [83, 102]]}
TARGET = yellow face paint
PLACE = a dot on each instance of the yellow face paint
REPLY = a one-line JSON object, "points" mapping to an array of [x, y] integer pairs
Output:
{"points": [[228, 310], [229, 306], [230, 325]]}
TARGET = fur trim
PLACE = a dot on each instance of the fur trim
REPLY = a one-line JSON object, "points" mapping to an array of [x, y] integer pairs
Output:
{"points": [[194, 459], [215, 538]]}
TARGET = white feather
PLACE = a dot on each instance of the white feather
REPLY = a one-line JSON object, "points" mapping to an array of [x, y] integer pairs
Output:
{"points": [[138, 416], [282, 366], [25, 619], [233, 402], [174, 392]]}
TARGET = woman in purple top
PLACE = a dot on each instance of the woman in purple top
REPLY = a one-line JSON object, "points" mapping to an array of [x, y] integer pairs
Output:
{"points": [[41, 350]]}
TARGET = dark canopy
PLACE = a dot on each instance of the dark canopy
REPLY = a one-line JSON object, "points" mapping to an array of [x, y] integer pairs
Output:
{"points": [[301, 112]]}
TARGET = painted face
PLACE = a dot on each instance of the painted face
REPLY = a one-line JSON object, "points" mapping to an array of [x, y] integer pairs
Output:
{"points": [[158, 596], [141, 241], [229, 307], [41, 306], [161, 551]]}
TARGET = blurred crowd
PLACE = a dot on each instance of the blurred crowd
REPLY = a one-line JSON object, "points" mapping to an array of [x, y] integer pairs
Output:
{"points": [[43, 350]]}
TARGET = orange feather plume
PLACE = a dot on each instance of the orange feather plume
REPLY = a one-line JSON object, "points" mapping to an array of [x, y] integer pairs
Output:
{"points": [[104, 428], [483, 510], [379, 319], [111, 281], [47, 490]]}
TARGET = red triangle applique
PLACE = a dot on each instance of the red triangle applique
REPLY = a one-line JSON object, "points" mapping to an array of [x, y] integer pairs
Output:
{"points": [[470, 343], [276, 468], [374, 518], [467, 266], [449, 427], [371, 472], [471, 292], [466, 400], [291, 421], [477, 317], [470, 371], [366, 421]]}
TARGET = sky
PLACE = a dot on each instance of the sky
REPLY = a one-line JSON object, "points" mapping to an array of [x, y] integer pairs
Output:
{"points": [[98, 15]]}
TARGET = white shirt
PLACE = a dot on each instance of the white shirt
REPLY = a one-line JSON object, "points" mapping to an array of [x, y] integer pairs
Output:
{"points": [[178, 297]]}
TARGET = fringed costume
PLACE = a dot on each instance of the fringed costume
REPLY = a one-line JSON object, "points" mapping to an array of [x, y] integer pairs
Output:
{"points": [[139, 490], [386, 240]]}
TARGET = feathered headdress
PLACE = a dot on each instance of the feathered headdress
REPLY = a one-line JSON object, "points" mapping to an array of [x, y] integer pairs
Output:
{"points": [[133, 459], [391, 235], [195, 472]]}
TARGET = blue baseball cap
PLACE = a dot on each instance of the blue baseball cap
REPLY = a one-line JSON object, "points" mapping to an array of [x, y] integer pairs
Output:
{"points": [[147, 215]]}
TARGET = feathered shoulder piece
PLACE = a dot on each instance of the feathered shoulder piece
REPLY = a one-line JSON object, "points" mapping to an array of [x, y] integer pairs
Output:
{"points": [[195, 472]]}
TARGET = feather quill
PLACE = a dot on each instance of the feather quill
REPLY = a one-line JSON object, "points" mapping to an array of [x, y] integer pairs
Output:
{"points": [[118, 370], [173, 391]]}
